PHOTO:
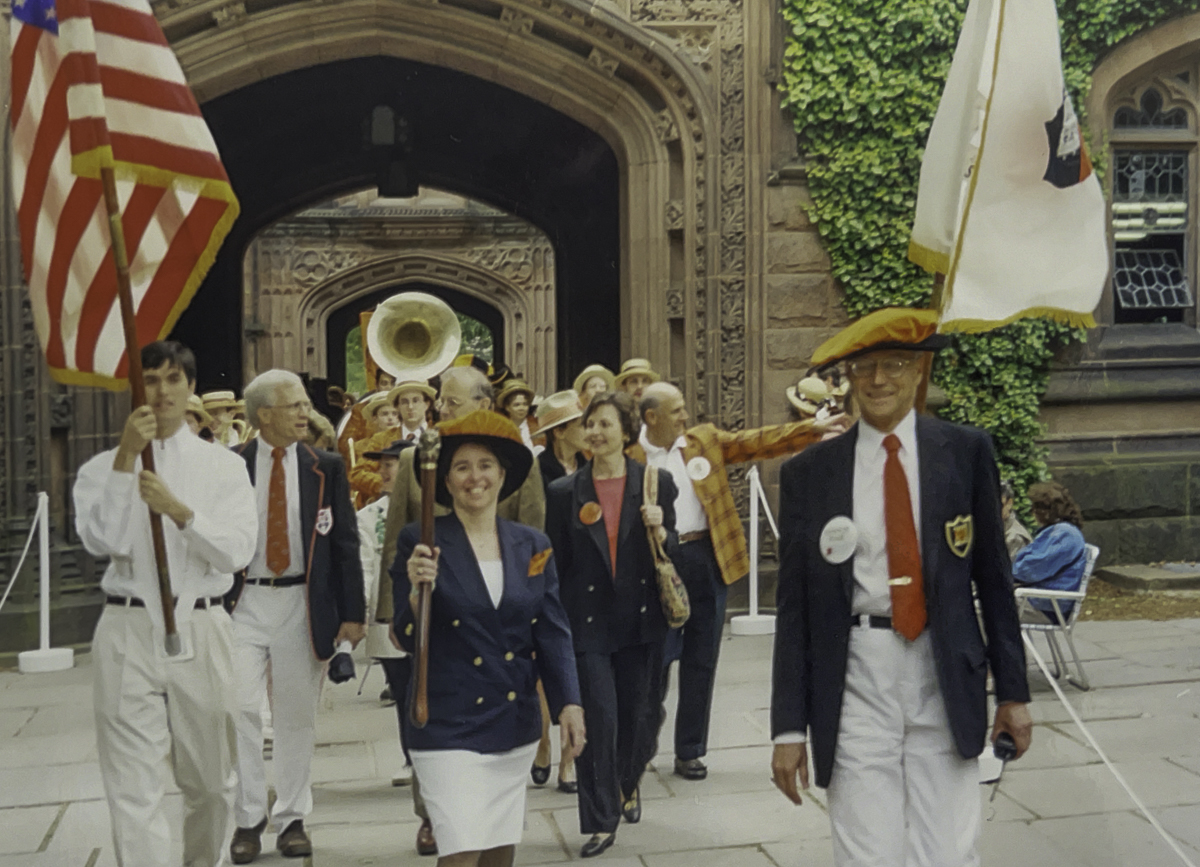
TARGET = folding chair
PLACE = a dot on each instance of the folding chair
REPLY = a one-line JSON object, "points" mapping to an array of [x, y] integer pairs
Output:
{"points": [[1063, 624]]}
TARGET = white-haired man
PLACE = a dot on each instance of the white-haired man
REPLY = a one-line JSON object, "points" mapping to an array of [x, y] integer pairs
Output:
{"points": [[301, 597]]}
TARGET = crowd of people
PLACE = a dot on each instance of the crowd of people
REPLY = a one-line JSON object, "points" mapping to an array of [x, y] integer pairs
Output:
{"points": [[290, 540]]}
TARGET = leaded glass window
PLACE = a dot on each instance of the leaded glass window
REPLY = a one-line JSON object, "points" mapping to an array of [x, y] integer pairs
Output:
{"points": [[1150, 115], [1147, 279]]}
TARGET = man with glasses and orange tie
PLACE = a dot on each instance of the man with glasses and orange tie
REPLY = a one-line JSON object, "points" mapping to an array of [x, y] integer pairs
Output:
{"points": [[879, 659], [300, 599]]}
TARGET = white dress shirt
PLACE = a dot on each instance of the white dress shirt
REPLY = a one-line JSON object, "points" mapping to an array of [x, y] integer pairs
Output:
{"points": [[262, 489], [871, 593], [113, 521], [689, 511], [414, 435]]}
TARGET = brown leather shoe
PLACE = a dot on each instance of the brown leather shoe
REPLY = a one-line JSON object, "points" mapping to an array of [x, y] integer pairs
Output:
{"points": [[293, 842], [247, 843], [426, 844]]}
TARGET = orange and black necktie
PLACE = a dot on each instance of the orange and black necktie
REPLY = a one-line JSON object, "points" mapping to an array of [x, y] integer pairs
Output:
{"points": [[278, 551], [903, 551]]}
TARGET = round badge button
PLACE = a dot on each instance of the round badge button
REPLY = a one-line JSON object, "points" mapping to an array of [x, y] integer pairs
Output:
{"points": [[698, 468], [838, 540], [590, 513]]}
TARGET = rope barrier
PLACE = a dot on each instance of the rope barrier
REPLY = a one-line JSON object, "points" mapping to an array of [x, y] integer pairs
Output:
{"points": [[1091, 740], [13, 580]]}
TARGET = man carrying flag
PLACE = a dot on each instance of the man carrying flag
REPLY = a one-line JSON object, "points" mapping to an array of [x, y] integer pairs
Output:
{"points": [[122, 204]]}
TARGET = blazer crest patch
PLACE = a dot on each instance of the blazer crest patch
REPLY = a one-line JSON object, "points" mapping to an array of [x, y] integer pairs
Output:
{"points": [[537, 563], [960, 534], [325, 520]]}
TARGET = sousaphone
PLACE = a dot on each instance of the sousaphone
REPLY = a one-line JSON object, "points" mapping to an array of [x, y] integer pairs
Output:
{"points": [[414, 336]]}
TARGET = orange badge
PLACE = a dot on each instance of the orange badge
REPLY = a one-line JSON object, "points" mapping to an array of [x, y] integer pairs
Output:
{"points": [[537, 564], [590, 513]]}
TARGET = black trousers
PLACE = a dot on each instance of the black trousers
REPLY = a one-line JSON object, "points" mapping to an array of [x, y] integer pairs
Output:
{"points": [[620, 693], [398, 671], [696, 645]]}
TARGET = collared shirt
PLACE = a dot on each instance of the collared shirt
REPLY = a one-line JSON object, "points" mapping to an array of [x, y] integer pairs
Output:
{"points": [[262, 489], [411, 435], [113, 521], [871, 594], [689, 512]]}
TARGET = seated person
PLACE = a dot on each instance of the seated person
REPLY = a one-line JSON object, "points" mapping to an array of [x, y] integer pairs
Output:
{"points": [[1016, 536], [1057, 556]]}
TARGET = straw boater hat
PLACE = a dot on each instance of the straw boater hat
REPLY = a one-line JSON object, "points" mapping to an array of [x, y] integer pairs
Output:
{"points": [[559, 408], [375, 403], [410, 385], [890, 328], [808, 394], [196, 407], [635, 367], [392, 451], [489, 429], [218, 400], [594, 370], [511, 388]]}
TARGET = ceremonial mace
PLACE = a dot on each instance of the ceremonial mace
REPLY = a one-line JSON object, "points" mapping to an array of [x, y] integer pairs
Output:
{"points": [[427, 453], [137, 386]]}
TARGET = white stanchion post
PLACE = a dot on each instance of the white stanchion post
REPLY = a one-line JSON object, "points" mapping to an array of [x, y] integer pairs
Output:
{"points": [[45, 658], [754, 623]]}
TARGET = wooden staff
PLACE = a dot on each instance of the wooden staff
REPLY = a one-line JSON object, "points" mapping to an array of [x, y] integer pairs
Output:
{"points": [[428, 449], [137, 386]]}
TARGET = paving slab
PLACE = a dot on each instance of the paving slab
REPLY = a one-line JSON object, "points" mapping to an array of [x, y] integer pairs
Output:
{"points": [[1058, 792], [1119, 839]]}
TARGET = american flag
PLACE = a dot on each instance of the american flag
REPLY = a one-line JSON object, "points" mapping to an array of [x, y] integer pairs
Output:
{"points": [[95, 84]]}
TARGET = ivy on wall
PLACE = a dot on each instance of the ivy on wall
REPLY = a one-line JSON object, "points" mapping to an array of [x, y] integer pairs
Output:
{"points": [[863, 79]]}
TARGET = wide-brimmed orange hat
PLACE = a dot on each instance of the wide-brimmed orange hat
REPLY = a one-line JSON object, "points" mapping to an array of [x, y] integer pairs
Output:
{"points": [[889, 328], [559, 408], [494, 432], [635, 367]]}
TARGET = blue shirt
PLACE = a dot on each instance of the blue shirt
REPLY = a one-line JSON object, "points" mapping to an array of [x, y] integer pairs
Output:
{"points": [[1054, 560]]}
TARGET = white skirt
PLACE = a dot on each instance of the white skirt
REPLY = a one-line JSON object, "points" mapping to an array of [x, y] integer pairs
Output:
{"points": [[476, 801]]}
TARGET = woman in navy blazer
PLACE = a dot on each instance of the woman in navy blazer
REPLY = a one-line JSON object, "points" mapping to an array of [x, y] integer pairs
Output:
{"points": [[616, 616], [496, 626]]}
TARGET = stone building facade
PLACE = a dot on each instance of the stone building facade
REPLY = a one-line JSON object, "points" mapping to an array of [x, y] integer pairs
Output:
{"points": [[715, 273]]}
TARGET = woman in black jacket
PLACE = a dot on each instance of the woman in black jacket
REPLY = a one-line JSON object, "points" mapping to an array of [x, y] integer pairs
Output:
{"points": [[597, 524]]}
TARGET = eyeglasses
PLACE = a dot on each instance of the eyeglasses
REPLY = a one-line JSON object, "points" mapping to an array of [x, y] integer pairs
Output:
{"points": [[892, 367], [300, 406]]}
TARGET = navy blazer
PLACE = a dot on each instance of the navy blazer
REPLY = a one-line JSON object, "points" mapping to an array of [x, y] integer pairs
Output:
{"points": [[484, 661], [609, 613], [333, 570], [958, 478]]}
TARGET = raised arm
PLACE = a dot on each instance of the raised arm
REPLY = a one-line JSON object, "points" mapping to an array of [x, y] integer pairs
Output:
{"points": [[763, 443]]}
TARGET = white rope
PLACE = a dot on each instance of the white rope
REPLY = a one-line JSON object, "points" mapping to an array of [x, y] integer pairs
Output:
{"points": [[13, 580], [1091, 740]]}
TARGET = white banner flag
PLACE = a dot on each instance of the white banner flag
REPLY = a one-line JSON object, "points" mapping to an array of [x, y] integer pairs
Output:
{"points": [[1008, 207]]}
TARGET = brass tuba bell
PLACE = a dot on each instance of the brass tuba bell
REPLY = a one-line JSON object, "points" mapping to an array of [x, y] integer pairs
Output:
{"points": [[414, 336]]}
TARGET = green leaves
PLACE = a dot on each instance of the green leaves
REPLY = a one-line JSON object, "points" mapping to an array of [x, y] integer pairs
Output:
{"points": [[863, 79]]}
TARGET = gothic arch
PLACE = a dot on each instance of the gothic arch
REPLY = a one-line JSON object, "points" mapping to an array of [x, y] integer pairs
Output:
{"points": [[635, 88], [528, 316]]}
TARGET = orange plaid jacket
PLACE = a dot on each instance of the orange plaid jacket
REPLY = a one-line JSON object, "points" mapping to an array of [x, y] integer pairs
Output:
{"points": [[719, 448]]}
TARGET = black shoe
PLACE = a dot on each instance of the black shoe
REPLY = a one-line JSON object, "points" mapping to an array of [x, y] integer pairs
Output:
{"points": [[385, 697], [568, 787], [597, 844], [690, 769], [247, 843], [539, 774], [632, 809], [293, 842]]}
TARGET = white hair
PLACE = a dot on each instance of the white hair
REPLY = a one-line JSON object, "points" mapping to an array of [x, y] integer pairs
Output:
{"points": [[262, 390], [474, 379]]}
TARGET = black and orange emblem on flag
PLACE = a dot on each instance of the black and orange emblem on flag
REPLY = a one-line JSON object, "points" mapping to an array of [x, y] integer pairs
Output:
{"points": [[1069, 163]]}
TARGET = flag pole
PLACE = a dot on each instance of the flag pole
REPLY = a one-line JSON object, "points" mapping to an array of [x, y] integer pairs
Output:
{"points": [[935, 303], [137, 386]]}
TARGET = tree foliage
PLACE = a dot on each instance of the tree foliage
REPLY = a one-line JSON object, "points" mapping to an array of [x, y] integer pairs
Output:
{"points": [[863, 79]]}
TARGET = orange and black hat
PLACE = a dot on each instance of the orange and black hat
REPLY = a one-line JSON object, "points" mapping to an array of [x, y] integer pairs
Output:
{"points": [[889, 328], [494, 432]]}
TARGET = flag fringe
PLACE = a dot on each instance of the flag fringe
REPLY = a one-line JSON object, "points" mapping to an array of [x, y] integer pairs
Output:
{"points": [[976, 326], [89, 163], [933, 261]]}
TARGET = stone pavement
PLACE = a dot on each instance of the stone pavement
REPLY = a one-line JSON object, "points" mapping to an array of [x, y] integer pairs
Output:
{"points": [[1057, 807]]}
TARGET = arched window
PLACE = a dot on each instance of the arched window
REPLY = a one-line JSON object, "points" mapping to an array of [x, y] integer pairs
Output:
{"points": [[1154, 196]]}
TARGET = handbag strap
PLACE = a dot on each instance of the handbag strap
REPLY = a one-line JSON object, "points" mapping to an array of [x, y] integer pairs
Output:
{"points": [[650, 487]]}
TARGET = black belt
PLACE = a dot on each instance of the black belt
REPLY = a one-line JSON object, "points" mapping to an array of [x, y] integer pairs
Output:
{"points": [[872, 621], [286, 581], [698, 536], [202, 603]]}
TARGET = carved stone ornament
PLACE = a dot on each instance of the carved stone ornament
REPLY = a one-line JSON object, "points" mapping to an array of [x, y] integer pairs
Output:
{"points": [[674, 215], [515, 21], [668, 130], [603, 61], [229, 14]]}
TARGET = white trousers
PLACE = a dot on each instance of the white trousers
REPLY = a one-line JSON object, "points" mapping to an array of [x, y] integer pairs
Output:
{"points": [[151, 710], [900, 794], [270, 625]]}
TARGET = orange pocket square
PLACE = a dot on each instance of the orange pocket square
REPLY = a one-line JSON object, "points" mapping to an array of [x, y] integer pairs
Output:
{"points": [[537, 563]]}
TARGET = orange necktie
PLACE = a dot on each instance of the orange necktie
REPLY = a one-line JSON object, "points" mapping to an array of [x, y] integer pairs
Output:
{"points": [[278, 551], [903, 551]]}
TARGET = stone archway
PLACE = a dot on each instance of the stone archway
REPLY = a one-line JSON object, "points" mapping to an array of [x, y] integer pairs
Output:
{"points": [[650, 93]]}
